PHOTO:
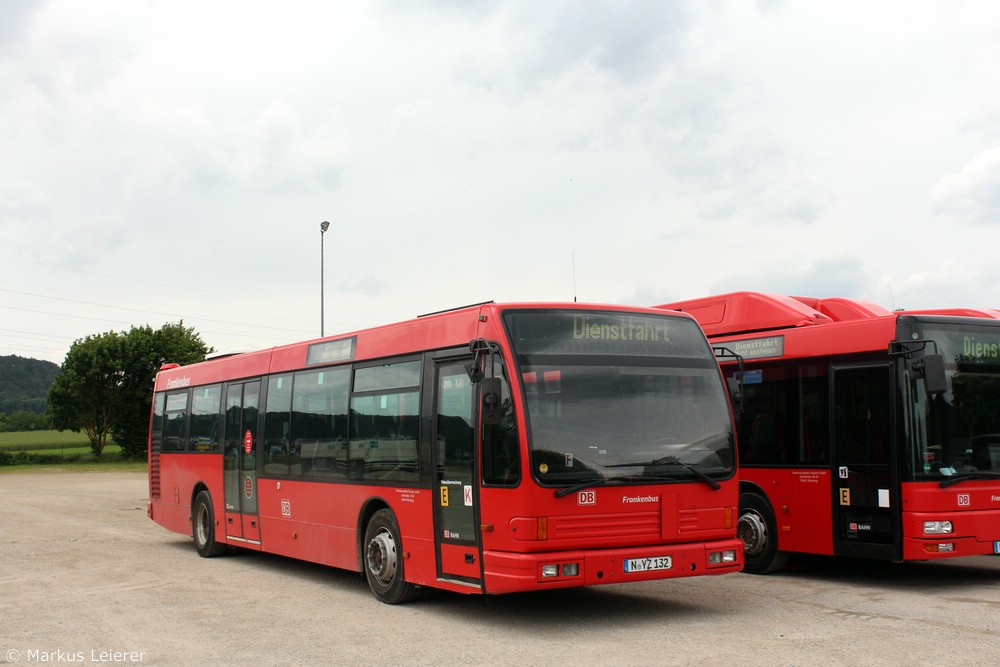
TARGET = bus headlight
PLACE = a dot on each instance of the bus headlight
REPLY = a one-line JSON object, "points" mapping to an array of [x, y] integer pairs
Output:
{"points": [[938, 528], [722, 557], [551, 570]]}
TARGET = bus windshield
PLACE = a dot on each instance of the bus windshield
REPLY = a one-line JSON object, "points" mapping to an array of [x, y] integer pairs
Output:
{"points": [[957, 433], [620, 398]]}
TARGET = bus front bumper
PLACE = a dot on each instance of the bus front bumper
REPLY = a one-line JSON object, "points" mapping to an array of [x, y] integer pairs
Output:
{"points": [[508, 572]]}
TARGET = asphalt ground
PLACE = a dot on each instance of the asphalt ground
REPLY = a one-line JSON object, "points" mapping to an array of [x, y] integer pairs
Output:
{"points": [[86, 578]]}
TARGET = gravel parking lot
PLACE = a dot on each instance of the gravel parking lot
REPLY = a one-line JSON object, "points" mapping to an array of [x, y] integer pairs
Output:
{"points": [[87, 578]]}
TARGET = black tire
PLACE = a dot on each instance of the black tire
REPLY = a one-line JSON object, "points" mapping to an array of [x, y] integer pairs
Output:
{"points": [[758, 530], [203, 527], [382, 558]]}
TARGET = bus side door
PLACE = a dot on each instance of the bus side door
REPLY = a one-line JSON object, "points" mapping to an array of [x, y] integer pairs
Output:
{"points": [[866, 511], [240, 462], [456, 494]]}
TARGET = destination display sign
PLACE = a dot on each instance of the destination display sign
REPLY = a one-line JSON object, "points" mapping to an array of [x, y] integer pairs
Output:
{"points": [[603, 332], [331, 351], [981, 348], [968, 345], [758, 348]]}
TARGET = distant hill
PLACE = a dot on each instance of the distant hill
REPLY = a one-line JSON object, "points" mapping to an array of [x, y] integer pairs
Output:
{"points": [[24, 383]]}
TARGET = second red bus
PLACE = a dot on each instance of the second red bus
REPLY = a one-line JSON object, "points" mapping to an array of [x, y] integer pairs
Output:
{"points": [[862, 432]]}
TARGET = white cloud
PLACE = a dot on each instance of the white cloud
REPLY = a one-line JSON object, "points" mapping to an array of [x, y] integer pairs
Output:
{"points": [[176, 158], [973, 194]]}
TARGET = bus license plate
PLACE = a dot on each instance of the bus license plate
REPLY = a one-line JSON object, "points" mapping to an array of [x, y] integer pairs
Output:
{"points": [[996, 547], [648, 564]]}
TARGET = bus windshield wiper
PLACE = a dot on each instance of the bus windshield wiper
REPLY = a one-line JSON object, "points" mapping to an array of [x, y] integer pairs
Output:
{"points": [[952, 481], [671, 460], [566, 490]]}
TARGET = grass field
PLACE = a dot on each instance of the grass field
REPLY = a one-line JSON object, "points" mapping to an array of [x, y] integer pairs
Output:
{"points": [[39, 441], [29, 448]]}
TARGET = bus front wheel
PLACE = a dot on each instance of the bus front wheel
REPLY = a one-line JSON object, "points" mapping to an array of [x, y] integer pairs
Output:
{"points": [[383, 560], [203, 527], [759, 533]]}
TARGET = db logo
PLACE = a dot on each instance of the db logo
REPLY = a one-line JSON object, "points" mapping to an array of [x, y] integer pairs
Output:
{"points": [[587, 498], [964, 500]]}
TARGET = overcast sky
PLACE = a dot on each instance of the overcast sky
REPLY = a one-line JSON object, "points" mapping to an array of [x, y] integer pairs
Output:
{"points": [[169, 160]]}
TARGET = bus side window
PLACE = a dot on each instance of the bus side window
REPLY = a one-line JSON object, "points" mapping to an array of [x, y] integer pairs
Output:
{"points": [[763, 445], [815, 424], [175, 426], [156, 429], [205, 416], [277, 424]]}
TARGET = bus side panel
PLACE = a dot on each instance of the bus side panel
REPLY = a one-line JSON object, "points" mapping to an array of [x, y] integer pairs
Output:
{"points": [[973, 508], [179, 473], [318, 522], [800, 499]]}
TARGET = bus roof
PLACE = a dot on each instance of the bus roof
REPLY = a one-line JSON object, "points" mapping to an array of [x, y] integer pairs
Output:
{"points": [[750, 312], [444, 329]]}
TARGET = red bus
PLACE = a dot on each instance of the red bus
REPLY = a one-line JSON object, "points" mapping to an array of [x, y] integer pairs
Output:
{"points": [[488, 449], [862, 432]]}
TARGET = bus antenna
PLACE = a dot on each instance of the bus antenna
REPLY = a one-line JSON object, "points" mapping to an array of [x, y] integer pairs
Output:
{"points": [[573, 258]]}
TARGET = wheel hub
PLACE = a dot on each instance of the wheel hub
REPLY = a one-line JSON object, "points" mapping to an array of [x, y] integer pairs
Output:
{"points": [[201, 524], [382, 556], [753, 531]]}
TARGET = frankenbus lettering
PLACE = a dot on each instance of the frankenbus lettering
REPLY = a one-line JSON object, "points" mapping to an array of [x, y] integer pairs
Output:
{"points": [[623, 330], [177, 383], [627, 500]]}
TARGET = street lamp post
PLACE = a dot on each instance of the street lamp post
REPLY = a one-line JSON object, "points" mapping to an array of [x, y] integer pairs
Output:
{"points": [[323, 226]]}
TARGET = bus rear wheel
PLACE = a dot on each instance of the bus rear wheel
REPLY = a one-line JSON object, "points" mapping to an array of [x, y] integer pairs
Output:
{"points": [[203, 527], [759, 533], [383, 560]]}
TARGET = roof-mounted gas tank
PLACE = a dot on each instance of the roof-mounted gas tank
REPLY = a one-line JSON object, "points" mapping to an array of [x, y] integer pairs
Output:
{"points": [[744, 312]]}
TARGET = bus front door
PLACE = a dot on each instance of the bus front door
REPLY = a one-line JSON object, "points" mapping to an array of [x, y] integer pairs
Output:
{"points": [[240, 464], [456, 515], [865, 502]]}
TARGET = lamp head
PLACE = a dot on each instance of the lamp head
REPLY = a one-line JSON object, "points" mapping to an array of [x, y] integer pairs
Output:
{"points": [[323, 226]]}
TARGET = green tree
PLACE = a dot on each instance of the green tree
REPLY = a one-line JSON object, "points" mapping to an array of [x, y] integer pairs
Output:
{"points": [[82, 395], [105, 384], [144, 351], [23, 420]]}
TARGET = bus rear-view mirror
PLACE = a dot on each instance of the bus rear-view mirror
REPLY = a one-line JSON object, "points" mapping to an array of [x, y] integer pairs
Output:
{"points": [[492, 401], [931, 368]]}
